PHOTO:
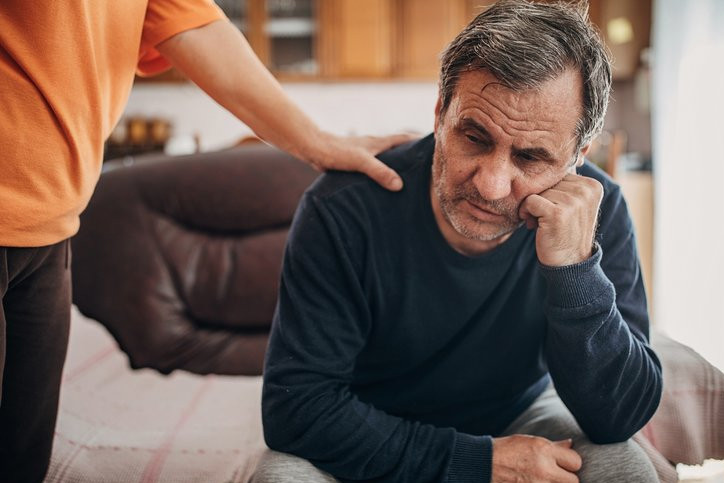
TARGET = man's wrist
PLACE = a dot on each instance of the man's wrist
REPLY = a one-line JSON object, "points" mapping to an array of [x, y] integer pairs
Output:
{"points": [[577, 284], [472, 459]]}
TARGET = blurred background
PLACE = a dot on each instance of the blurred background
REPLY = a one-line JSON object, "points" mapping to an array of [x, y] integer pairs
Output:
{"points": [[370, 67]]}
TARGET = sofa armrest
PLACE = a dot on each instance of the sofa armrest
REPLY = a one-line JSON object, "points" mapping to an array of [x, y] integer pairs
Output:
{"points": [[688, 427]]}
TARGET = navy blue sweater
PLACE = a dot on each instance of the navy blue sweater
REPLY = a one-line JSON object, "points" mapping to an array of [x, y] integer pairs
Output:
{"points": [[395, 358]]}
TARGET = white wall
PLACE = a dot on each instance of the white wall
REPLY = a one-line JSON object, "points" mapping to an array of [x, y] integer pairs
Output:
{"points": [[342, 108], [688, 102]]}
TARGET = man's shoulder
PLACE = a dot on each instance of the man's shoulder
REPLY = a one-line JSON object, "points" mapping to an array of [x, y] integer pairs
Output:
{"points": [[358, 212], [406, 159]]}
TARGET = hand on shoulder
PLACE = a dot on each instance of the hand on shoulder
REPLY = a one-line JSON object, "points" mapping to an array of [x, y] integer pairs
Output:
{"points": [[357, 153]]}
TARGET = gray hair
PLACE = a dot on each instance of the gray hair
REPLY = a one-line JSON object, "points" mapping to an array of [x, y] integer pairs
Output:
{"points": [[524, 44]]}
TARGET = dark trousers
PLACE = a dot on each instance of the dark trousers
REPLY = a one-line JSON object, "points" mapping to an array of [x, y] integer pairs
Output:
{"points": [[35, 297]]}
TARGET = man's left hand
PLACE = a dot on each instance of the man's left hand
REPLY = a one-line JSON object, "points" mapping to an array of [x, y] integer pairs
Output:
{"points": [[566, 216]]}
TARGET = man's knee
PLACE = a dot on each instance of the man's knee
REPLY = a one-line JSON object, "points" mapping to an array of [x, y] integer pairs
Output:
{"points": [[275, 467], [614, 463]]}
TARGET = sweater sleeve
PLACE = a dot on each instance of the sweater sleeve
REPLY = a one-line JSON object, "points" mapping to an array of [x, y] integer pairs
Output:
{"points": [[597, 341], [321, 324]]}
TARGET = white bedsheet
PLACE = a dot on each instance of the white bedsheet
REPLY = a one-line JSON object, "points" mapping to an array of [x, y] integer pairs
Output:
{"points": [[120, 425]]}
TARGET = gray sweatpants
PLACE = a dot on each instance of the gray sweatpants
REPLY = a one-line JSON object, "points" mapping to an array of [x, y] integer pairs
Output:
{"points": [[547, 417]]}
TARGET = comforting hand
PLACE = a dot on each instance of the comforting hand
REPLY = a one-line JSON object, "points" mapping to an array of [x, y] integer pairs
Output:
{"points": [[357, 153], [530, 459], [249, 91], [566, 216]]}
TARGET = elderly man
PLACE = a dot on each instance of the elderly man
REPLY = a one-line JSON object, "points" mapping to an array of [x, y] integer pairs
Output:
{"points": [[428, 335]]}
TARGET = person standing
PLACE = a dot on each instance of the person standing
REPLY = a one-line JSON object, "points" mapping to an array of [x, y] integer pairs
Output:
{"points": [[66, 71]]}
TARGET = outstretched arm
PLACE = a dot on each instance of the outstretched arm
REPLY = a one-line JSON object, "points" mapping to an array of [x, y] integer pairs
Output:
{"points": [[218, 59]]}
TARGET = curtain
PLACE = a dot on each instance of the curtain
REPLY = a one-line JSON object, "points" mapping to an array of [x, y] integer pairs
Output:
{"points": [[688, 152]]}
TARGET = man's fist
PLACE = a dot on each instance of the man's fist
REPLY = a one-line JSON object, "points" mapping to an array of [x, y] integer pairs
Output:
{"points": [[530, 459], [566, 216]]}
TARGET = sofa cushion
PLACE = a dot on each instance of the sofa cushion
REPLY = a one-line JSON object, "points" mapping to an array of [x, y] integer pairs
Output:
{"points": [[180, 257]]}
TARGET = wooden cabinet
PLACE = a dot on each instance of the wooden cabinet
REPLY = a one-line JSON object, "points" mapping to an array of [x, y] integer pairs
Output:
{"points": [[399, 39], [423, 30], [356, 38], [285, 35], [394, 39], [347, 39]]}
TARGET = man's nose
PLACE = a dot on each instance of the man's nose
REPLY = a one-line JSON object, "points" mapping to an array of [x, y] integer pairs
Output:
{"points": [[493, 178]]}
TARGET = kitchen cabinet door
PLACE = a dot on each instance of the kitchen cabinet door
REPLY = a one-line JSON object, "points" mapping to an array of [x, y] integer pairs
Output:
{"points": [[423, 30], [356, 38]]}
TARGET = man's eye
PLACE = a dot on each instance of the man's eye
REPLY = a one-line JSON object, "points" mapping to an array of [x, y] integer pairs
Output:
{"points": [[525, 157], [473, 139]]}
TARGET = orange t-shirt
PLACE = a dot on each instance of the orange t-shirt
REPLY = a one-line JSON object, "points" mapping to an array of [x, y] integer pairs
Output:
{"points": [[66, 70]]}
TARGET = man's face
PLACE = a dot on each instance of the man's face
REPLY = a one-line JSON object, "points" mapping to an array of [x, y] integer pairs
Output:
{"points": [[493, 148]]}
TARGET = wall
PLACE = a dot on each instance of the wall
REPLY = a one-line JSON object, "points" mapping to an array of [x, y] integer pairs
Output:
{"points": [[688, 103], [343, 108], [625, 113]]}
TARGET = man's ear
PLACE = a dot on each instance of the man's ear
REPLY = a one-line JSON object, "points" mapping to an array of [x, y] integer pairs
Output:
{"points": [[581, 154]]}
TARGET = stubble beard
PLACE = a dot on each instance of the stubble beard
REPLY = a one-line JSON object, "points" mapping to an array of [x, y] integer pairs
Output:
{"points": [[464, 223]]}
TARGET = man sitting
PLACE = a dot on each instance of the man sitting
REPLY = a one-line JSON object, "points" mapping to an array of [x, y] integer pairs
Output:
{"points": [[428, 335]]}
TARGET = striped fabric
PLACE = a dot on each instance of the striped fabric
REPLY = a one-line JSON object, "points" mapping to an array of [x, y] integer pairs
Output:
{"points": [[688, 427], [120, 425]]}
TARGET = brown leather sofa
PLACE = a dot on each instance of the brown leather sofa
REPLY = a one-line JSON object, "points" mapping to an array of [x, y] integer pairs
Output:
{"points": [[180, 258]]}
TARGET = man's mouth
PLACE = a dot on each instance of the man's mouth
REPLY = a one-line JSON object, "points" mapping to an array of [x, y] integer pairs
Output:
{"points": [[483, 213]]}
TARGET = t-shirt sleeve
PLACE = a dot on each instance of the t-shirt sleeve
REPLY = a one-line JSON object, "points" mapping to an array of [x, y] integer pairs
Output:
{"points": [[166, 18]]}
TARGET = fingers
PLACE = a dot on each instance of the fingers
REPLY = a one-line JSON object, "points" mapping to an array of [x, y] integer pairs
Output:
{"points": [[566, 443], [567, 458], [356, 153], [381, 173], [581, 187], [562, 476], [535, 206], [533, 458], [376, 169], [572, 190]]}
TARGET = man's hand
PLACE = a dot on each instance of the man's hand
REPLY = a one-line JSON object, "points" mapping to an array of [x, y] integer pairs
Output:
{"points": [[566, 216], [530, 459], [356, 153]]}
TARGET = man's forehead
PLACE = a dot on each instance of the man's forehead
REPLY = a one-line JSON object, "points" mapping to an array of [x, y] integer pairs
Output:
{"points": [[564, 90], [550, 109], [523, 100]]}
